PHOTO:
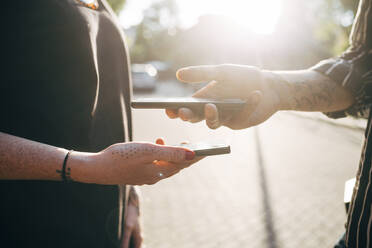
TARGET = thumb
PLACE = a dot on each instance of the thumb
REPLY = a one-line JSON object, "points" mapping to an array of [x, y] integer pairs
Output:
{"points": [[211, 90]]}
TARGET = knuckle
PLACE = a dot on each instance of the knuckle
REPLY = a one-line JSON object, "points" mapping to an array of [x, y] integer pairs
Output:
{"points": [[165, 155]]}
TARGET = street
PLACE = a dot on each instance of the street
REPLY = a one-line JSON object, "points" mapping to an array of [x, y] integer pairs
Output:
{"points": [[281, 186]]}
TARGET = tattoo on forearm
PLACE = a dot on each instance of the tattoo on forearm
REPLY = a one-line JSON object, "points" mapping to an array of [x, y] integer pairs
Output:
{"points": [[305, 95], [67, 174], [136, 151]]}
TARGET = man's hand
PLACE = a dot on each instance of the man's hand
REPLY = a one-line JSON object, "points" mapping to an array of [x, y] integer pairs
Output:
{"points": [[230, 81], [132, 237]]}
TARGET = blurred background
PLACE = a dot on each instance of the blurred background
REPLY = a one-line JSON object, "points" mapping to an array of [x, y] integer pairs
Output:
{"points": [[188, 32], [283, 183]]}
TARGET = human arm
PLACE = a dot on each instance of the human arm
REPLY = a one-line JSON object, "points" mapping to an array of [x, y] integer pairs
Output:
{"points": [[266, 92], [132, 237], [131, 163], [338, 86]]}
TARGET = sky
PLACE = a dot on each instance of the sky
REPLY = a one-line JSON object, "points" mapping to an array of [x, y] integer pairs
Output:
{"points": [[260, 16]]}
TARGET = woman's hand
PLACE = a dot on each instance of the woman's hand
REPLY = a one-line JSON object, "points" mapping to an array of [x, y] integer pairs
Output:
{"points": [[230, 81], [133, 163], [132, 236]]}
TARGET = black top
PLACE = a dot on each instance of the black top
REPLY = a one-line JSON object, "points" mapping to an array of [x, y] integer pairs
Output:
{"points": [[353, 70], [65, 82]]}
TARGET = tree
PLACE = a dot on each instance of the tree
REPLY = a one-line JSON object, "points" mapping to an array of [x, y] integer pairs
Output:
{"points": [[307, 32], [116, 5], [334, 21], [154, 35]]}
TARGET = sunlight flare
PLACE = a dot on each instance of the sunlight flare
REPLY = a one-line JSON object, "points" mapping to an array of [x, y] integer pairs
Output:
{"points": [[259, 16]]}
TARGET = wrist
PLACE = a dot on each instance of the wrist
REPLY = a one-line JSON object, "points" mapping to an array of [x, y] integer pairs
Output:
{"points": [[280, 87], [82, 167]]}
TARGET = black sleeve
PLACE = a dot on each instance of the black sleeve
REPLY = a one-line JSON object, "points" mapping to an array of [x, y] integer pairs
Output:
{"points": [[353, 69]]}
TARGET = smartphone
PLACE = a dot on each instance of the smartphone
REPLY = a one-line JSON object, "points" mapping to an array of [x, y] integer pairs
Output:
{"points": [[192, 103], [206, 149]]}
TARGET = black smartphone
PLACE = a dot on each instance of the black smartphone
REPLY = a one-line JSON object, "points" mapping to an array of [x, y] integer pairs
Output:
{"points": [[193, 103], [207, 149]]}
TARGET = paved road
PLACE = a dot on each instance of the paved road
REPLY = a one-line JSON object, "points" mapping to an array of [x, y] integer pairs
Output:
{"points": [[282, 189]]}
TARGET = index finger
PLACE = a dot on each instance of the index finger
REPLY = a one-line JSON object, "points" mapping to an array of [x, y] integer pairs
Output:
{"points": [[197, 74], [151, 152]]}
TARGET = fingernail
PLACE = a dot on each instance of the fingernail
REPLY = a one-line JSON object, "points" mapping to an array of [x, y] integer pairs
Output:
{"points": [[190, 155], [180, 71], [210, 111]]}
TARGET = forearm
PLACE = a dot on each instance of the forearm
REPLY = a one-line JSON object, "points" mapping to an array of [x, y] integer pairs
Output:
{"points": [[22, 159], [134, 163], [308, 90]]}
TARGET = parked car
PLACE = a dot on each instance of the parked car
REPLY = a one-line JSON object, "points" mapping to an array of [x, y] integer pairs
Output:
{"points": [[165, 70], [144, 77]]}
